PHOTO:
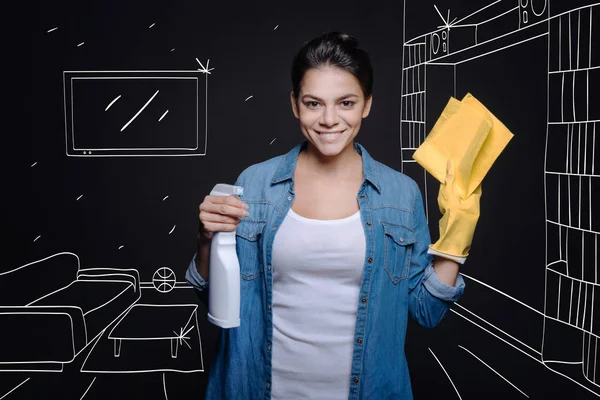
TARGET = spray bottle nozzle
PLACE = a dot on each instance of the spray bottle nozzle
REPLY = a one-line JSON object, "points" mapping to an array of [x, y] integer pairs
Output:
{"points": [[224, 189]]}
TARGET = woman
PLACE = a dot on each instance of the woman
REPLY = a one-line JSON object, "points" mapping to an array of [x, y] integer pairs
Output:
{"points": [[333, 250]]}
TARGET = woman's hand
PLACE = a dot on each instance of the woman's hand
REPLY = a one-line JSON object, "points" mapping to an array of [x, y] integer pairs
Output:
{"points": [[220, 214], [459, 217]]}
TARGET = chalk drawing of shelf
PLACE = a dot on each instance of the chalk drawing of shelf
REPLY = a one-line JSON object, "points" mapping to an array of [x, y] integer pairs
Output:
{"points": [[571, 171]]}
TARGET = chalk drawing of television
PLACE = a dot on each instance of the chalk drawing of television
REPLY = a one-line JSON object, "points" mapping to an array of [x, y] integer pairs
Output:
{"points": [[135, 113]]}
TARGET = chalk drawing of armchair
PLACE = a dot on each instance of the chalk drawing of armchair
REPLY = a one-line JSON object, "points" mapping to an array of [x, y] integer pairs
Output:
{"points": [[51, 310]]}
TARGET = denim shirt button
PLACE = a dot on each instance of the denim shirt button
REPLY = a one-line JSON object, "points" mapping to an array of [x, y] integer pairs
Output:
{"points": [[355, 380], [359, 341], [289, 198], [269, 348], [368, 223], [268, 385], [269, 267], [364, 299], [401, 239], [370, 260], [269, 306]]}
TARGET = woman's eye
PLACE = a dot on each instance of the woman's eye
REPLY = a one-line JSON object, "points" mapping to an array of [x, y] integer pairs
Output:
{"points": [[347, 103], [311, 104]]}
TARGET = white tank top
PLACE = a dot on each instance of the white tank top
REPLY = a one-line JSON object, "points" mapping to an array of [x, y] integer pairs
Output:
{"points": [[317, 272]]}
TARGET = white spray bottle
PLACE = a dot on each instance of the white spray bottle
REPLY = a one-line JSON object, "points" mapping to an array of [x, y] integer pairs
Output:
{"points": [[224, 271]]}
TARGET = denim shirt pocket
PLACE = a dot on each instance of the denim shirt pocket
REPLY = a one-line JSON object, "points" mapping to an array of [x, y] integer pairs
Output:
{"points": [[248, 244], [398, 240]]}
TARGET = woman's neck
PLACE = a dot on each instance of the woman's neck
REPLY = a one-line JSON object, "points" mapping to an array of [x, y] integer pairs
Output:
{"points": [[346, 165]]}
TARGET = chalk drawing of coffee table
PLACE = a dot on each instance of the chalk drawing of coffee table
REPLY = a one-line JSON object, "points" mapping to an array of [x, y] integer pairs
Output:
{"points": [[145, 322]]}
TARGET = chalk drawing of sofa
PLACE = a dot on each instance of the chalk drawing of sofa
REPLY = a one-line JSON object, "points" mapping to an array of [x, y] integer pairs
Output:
{"points": [[51, 310]]}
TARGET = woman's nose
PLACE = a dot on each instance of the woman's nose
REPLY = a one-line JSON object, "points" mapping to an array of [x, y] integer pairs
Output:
{"points": [[329, 116]]}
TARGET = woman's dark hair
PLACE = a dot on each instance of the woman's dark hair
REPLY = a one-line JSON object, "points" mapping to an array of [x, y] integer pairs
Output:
{"points": [[336, 49]]}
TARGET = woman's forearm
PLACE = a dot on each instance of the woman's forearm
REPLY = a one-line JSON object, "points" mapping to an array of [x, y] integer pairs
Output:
{"points": [[446, 270], [203, 257]]}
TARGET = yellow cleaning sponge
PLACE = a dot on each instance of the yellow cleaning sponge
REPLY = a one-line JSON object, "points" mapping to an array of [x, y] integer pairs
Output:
{"points": [[468, 135]]}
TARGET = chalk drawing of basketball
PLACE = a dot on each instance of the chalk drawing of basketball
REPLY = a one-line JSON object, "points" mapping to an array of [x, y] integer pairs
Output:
{"points": [[164, 279]]}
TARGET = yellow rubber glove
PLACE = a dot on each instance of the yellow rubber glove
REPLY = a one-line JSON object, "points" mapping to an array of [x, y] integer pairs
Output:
{"points": [[459, 217]]}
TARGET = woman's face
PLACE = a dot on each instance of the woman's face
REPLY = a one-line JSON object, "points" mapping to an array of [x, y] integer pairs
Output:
{"points": [[330, 107]]}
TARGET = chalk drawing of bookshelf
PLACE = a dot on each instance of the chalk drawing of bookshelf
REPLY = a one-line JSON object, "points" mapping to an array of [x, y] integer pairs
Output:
{"points": [[571, 171]]}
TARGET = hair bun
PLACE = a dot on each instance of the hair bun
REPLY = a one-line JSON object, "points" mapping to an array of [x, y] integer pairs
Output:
{"points": [[343, 38]]}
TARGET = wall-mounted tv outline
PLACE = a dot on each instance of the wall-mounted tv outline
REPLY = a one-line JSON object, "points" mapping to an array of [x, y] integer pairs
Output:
{"points": [[135, 113]]}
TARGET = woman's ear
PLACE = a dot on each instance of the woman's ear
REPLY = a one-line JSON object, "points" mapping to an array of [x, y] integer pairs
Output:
{"points": [[367, 107], [294, 104]]}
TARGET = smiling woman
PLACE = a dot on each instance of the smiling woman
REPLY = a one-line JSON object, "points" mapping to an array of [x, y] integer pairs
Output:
{"points": [[333, 252], [330, 104], [332, 81]]}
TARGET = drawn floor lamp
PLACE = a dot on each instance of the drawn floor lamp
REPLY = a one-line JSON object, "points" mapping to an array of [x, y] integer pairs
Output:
{"points": [[572, 174]]}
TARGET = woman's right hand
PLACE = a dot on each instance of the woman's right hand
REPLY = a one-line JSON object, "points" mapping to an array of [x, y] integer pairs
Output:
{"points": [[220, 214]]}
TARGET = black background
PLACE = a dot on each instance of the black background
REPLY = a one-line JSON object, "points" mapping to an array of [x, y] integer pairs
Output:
{"points": [[111, 211]]}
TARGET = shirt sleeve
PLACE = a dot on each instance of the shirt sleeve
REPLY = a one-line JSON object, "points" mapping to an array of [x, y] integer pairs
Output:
{"points": [[439, 289], [193, 277]]}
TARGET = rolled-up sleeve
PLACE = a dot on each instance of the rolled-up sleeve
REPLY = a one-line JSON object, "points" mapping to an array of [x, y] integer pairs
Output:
{"points": [[439, 289], [193, 277]]}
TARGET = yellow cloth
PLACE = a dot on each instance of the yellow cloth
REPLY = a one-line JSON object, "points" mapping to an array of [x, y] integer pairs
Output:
{"points": [[459, 151], [470, 136]]}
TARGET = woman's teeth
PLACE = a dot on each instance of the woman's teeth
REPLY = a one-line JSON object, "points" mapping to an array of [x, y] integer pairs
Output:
{"points": [[330, 136]]}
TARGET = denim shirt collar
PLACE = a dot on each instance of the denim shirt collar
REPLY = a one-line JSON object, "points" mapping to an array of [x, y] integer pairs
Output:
{"points": [[287, 165]]}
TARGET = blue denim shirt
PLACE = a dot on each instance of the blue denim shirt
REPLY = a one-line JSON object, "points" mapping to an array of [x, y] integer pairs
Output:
{"points": [[398, 279]]}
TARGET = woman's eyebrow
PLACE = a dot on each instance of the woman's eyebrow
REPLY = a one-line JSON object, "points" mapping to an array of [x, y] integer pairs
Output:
{"points": [[339, 98]]}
